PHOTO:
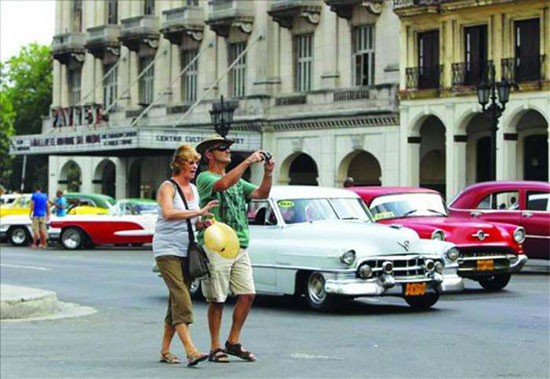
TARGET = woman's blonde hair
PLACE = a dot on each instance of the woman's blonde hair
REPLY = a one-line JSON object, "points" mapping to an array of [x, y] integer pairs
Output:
{"points": [[184, 153]]}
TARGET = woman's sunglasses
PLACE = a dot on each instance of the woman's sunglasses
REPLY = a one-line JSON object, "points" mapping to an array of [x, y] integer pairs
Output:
{"points": [[222, 147]]}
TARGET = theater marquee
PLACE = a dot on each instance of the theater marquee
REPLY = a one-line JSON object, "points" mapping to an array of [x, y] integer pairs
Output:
{"points": [[115, 140]]}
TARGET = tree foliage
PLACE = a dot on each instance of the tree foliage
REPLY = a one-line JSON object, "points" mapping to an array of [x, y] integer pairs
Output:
{"points": [[27, 88]]}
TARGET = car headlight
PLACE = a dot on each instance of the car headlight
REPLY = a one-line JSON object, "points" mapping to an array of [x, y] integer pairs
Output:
{"points": [[365, 271], [453, 254], [4, 228], [519, 235], [348, 257], [438, 235]]}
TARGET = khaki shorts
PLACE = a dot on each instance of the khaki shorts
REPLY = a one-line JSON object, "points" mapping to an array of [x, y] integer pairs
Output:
{"points": [[180, 310], [226, 275], [39, 224]]}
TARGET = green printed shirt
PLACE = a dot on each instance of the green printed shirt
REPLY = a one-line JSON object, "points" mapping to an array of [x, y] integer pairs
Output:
{"points": [[233, 206]]}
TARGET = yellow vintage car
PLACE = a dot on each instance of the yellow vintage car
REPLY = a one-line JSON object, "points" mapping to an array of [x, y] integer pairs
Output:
{"points": [[87, 204]]}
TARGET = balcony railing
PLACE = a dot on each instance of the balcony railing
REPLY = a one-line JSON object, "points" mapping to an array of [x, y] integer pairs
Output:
{"points": [[427, 77], [470, 73], [102, 37], [285, 11], [178, 21], [223, 14], [68, 45], [400, 4], [523, 69], [138, 29]]}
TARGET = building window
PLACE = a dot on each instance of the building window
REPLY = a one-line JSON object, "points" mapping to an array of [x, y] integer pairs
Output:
{"points": [[237, 75], [363, 51], [189, 78], [149, 7], [74, 87], [146, 82], [527, 50], [112, 12], [303, 52], [77, 15], [428, 60], [475, 54], [109, 85]]}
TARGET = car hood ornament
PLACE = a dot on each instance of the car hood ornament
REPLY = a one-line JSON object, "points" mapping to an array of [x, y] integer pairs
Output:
{"points": [[404, 245], [480, 235]]}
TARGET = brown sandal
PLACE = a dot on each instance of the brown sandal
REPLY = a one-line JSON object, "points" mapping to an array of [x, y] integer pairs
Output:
{"points": [[169, 358], [238, 351], [218, 356], [196, 358]]}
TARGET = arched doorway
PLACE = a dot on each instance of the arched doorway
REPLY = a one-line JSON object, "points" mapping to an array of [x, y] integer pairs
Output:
{"points": [[532, 131], [364, 169], [303, 171], [105, 178], [70, 177], [134, 180], [432, 154]]}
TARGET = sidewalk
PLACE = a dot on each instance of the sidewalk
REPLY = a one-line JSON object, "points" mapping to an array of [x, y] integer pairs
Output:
{"points": [[33, 304]]}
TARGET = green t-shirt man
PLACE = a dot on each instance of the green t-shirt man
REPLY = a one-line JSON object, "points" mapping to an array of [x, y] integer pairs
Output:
{"points": [[233, 204]]}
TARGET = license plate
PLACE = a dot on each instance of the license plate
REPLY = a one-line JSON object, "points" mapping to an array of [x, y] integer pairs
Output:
{"points": [[415, 289], [485, 265]]}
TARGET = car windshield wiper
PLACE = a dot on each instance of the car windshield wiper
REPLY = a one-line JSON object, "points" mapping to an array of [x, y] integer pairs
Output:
{"points": [[436, 211], [409, 212]]}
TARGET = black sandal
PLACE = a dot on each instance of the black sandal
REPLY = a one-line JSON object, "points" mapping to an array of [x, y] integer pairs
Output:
{"points": [[218, 356], [238, 351], [196, 358]]}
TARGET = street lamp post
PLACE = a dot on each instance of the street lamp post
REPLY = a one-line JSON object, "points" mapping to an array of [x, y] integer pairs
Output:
{"points": [[487, 91], [222, 116]]}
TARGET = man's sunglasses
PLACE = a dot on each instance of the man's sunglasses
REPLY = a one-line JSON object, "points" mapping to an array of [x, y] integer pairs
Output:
{"points": [[222, 147]]}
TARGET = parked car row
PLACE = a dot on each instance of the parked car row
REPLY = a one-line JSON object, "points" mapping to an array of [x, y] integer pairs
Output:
{"points": [[128, 221]]}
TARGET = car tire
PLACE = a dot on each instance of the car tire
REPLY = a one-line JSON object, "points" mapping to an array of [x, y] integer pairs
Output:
{"points": [[195, 290], [72, 238], [316, 297], [424, 302], [19, 236], [495, 282]]}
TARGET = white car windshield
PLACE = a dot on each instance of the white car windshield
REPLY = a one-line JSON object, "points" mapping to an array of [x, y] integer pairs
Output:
{"points": [[408, 205], [295, 211]]}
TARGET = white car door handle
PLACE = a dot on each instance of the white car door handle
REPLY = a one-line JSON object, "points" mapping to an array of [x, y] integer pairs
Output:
{"points": [[527, 214], [475, 214]]}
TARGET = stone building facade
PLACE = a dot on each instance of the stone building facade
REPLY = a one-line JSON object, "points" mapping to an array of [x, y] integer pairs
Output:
{"points": [[448, 47], [317, 86]]}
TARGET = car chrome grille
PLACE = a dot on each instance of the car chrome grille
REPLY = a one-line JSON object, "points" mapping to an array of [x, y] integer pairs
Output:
{"points": [[404, 267], [469, 258]]}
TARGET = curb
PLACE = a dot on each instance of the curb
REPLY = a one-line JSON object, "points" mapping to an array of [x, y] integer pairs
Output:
{"points": [[32, 304]]}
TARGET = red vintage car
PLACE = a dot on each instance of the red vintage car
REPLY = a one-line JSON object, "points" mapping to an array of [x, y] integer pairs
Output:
{"points": [[489, 252], [524, 203]]}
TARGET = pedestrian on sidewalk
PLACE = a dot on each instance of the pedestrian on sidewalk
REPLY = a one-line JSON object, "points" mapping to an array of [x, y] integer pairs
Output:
{"points": [[235, 274], [170, 244], [40, 215]]}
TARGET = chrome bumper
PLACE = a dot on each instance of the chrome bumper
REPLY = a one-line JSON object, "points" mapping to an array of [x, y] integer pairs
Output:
{"points": [[516, 263], [383, 286]]}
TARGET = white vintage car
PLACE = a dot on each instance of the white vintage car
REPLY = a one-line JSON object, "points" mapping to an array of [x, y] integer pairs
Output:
{"points": [[324, 244]]}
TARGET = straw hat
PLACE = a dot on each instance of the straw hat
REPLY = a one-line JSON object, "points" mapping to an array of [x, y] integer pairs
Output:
{"points": [[211, 140]]}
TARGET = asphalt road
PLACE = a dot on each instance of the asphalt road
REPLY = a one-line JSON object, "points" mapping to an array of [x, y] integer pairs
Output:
{"points": [[472, 334]]}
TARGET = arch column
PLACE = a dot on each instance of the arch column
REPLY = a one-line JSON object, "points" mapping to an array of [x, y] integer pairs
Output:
{"points": [[452, 185], [412, 161], [508, 167], [459, 173], [121, 180]]}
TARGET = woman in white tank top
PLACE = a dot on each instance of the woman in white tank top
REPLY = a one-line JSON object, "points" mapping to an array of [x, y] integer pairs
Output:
{"points": [[170, 243]]}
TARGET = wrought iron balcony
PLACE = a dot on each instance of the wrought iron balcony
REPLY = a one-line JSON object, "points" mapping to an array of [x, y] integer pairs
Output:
{"points": [[102, 40], [285, 11], [523, 69], [470, 73], [69, 46], [344, 8], [224, 14], [187, 20], [140, 31], [427, 77]]}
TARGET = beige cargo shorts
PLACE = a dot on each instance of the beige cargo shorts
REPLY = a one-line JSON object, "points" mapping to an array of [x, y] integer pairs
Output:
{"points": [[228, 275]]}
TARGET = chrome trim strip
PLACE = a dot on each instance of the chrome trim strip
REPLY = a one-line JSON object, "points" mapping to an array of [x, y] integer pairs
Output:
{"points": [[285, 267], [463, 259], [536, 236]]}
